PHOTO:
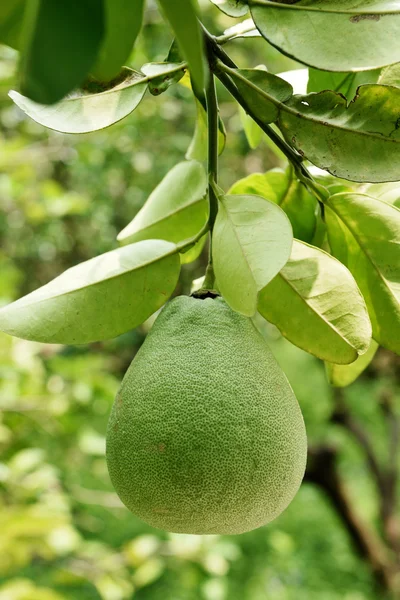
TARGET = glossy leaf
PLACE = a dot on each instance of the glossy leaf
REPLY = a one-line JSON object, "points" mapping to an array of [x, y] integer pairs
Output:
{"points": [[285, 190], [339, 35], [388, 192], [63, 40], [252, 240], [233, 8], [176, 210], [182, 17], [343, 375], [359, 142], [364, 234], [11, 19], [98, 299], [88, 112], [316, 304], [123, 23], [262, 91]]}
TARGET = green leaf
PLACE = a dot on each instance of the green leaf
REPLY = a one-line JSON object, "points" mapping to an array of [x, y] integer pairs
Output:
{"points": [[11, 19], [388, 192], [343, 375], [390, 75], [176, 210], [252, 131], [123, 23], [342, 83], [198, 149], [364, 234], [262, 91], [359, 142], [163, 76], [194, 252], [98, 299], [83, 113], [339, 35], [233, 8], [316, 304], [182, 17], [252, 240], [63, 39], [284, 189]]}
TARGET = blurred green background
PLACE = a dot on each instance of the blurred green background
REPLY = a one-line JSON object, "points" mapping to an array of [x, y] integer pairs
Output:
{"points": [[63, 532]]}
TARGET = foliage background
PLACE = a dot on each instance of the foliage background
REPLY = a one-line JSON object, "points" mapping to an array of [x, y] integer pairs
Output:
{"points": [[64, 533]]}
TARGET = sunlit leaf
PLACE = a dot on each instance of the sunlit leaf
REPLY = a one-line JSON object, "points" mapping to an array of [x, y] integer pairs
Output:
{"points": [[390, 75], [310, 31], [176, 210], [63, 39], [252, 240], [316, 304], [82, 113], [364, 234], [243, 29], [343, 375], [98, 299], [194, 252], [359, 142], [123, 23], [182, 17], [284, 189]]}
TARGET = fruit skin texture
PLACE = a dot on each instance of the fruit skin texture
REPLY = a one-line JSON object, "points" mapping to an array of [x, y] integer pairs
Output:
{"points": [[205, 435]]}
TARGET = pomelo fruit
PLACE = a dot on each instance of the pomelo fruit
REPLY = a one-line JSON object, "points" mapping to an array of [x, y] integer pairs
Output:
{"points": [[205, 435]]}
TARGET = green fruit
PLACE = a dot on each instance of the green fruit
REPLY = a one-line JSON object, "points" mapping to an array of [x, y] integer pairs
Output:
{"points": [[205, 435]]}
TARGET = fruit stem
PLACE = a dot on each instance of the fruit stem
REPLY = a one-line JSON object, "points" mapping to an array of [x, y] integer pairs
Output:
{"points": [[212, 122]]}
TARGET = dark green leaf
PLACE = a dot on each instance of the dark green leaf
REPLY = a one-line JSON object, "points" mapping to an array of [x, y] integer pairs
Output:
{"points": [[316, 304], [285, 190], [163, 76], [343, 375], [176, 210], [359, 142], [11, 19], [61, 47], [252, 240], [233, 8], [364, 234], [339, 35], [123, 23], [262, 91], [98, 299], [182, 17], [82, 113]]}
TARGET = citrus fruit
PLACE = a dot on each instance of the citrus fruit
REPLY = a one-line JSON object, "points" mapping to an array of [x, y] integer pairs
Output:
{"points": [[205, 435]]}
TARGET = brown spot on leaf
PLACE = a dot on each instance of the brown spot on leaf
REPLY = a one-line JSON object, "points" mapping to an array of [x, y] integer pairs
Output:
{"points": [[358, 18]]}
